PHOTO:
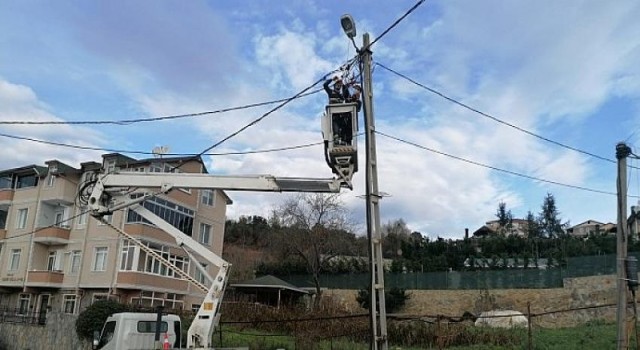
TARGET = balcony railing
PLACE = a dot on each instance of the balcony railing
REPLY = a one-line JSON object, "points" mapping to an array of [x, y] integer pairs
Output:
{"points": [[44, 278], [6, 194], [8, 315], [135, 279], [52, 235]]}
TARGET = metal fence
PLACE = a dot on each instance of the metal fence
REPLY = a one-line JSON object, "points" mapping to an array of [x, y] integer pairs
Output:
{"points": [[536, 327], [9, 315], [510, 278]]}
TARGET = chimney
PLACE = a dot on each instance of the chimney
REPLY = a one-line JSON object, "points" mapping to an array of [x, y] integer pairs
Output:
{"points": [[466, 233]]}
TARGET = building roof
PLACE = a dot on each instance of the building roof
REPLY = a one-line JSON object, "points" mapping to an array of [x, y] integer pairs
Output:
{"points": [[269, 282], [28, 169]]}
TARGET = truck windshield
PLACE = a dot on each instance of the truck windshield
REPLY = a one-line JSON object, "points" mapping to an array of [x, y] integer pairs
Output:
{"points": [[107, 334]]}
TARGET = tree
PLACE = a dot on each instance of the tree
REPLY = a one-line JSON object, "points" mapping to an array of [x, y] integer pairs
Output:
{"points": [[505, 218], [549, 220], [394, 233], [92, 318], [315, 228], [394, 299]]}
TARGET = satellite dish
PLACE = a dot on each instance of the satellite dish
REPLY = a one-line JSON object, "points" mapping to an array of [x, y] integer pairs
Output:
{"points": [[159, 151]]}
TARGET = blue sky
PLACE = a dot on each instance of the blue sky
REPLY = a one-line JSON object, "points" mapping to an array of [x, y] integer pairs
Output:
{"points": [[566, 71]]}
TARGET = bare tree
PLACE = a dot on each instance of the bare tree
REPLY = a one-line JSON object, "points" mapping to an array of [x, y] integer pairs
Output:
{"points": [[315, 228]]}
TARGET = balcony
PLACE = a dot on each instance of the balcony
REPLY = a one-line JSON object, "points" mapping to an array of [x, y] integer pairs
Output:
{"points": [[52, 235], [145, 231], [140, 280], [45, 278], [6, 194]]}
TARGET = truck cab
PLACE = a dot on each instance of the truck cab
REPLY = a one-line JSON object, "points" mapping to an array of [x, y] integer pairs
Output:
{"points": [[136, 331]]}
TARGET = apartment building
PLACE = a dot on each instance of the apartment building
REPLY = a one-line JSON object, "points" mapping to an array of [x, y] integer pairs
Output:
{"points": [[54, 256]]}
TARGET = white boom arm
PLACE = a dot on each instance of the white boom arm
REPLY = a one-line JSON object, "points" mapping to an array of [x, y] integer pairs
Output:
{"points": [[108, 195]]}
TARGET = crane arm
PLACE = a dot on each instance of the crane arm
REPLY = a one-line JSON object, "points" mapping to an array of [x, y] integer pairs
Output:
{"points": [[111, 192]]}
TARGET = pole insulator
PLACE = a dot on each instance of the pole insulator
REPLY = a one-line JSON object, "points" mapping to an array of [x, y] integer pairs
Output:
{"points": [[622, 150]]}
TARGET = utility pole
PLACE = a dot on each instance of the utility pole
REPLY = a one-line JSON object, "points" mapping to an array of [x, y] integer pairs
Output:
{"points": [[378, 319], [622, 152]]}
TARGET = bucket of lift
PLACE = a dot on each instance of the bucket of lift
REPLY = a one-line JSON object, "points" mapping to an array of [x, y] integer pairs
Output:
{"points": [[340, 131]]}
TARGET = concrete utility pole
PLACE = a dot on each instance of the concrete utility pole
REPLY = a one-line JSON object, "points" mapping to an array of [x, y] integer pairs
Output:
{"points": [[622, 152], [378, 319]]}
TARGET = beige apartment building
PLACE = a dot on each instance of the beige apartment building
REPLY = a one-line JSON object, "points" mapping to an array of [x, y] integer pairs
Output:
{"points": [[53, 257]]}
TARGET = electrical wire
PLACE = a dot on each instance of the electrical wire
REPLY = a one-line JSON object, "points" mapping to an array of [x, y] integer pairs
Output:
{"points": [[259, 119], [394, 24], [151, 119], [475, 110], [56, 224], [59, 144], [496, 168]]}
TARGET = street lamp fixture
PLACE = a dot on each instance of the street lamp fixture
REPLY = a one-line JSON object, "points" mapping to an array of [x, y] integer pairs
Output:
{"points": [[348, 25]]}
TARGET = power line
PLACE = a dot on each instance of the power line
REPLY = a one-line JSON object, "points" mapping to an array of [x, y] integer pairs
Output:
{"points": [[56, 224], [282, 104], [475, 110], [510, 172], [152, 119], [394, 24], [59, 144]]}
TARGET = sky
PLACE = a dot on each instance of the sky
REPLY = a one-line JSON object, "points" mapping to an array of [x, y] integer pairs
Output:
{"points": [[545, 89]]}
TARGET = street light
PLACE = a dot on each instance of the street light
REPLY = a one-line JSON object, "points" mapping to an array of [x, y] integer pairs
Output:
{"points": [[348, 25], [349, 28]]}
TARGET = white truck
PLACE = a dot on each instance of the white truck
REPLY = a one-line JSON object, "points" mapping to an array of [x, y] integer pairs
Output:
{"points": [[130, 330]]}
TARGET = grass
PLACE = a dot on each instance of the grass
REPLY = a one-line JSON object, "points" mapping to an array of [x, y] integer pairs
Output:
{"points": [[591, 336]]}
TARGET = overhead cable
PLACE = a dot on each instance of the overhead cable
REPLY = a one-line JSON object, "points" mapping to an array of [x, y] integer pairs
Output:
{"points": [[282, 104], [510, 172], [151, 119], [394, 24], [89, 148], [475, 110]]}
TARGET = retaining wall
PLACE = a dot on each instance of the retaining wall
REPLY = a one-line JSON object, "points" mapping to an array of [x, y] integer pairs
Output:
{"points": [[576, 293], [58, 333]]}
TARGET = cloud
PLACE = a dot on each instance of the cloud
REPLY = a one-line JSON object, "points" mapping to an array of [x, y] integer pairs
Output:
{"points": [[20, 103], [292, 57]]}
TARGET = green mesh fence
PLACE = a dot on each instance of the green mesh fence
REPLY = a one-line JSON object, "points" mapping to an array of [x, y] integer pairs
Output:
{"points": [[479, 279]]}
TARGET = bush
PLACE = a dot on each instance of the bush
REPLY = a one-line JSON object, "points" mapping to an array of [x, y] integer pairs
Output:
{"points": [[394, 299], [93, 318]]}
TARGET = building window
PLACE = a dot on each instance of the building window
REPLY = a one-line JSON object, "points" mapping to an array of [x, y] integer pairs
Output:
{"points": [[60, 219], [27, 181], [75, 261], [127, 255], [6, 182], [208, 197], [52, 262], [82, 216], [205, 234], [200, 277], [22, 218], [51, 179], [14, 263], [69, 303], [110, 166], [3, 218], [100, 259], [99, 296], [178, 216], [23, 303]]}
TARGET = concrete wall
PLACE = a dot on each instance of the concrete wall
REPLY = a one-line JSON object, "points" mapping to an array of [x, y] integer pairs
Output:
{"points": [[576, 293], [59, 333]]}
